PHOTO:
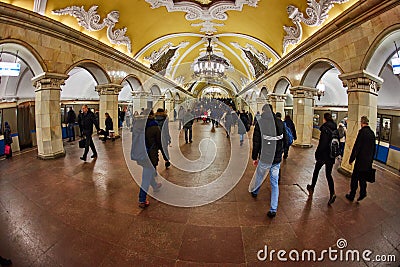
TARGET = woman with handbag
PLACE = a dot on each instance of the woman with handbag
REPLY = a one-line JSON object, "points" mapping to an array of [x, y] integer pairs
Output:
{"points": [[7, 140]]}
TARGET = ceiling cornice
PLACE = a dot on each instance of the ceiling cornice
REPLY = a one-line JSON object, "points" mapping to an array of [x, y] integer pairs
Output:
{"points": [[20, 17], [359, 13]]}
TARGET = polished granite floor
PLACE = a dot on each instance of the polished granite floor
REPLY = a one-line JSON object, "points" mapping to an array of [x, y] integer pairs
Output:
{"points": [[68, 213]]}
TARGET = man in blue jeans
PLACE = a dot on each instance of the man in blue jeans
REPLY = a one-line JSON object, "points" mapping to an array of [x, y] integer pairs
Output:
{"points": [[269, 138]]}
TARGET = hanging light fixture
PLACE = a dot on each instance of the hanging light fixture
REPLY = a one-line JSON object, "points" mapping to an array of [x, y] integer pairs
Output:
{"points": [[321, 90], [210, 66]]}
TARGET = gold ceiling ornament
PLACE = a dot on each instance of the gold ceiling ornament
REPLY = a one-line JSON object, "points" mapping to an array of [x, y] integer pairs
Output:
{"points": [[258, 62], [317, 13], [195, 11], [90, 21]]}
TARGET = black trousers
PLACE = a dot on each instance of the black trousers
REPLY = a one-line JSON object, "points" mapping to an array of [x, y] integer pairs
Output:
{"points": [[358, 177], [188, 131], [328, 173], [89, 142]]}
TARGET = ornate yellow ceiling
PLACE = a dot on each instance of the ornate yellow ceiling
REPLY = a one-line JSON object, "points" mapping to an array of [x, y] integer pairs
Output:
{"points": [[252, 35]]}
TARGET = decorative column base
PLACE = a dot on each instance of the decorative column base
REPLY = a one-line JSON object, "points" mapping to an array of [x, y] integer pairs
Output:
{"points": [[54, 156]]}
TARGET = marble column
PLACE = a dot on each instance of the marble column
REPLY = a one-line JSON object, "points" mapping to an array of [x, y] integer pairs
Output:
{"points": [[169, 106], [139, 101], [278, 103], [158, 102], [261, 101], [108, 103], [303, 112], [48, 115], [362, 101]]}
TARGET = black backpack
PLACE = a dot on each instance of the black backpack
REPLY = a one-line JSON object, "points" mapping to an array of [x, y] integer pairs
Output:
{"points": [[334, 146]]}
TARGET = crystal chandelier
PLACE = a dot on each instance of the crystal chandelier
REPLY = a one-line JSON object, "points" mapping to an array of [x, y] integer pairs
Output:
{"points": [[210, 66]]}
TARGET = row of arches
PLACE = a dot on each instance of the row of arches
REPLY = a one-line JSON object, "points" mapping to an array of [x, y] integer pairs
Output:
{"points": [[83, 77], [326, 71]]}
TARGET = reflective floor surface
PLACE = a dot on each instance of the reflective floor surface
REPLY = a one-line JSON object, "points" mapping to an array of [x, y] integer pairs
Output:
{"points": [[65, 212]]}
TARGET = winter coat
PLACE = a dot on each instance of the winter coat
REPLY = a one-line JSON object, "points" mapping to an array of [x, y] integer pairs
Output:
{"points": [[188, 120], [7, 136], [244, 124], [71, 116], [269, 138], [323, 152], [292, 128], [363, 150], [88, 120], [152, 140], [228, 119], [162, 121], [181, 113], [109, 124]]}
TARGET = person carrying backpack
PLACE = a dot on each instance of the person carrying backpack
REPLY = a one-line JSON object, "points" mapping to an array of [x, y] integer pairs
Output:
{"points": [[323, 157], [289, 126], [342, 138], [161, 118], [146, 141], [289, 134]]}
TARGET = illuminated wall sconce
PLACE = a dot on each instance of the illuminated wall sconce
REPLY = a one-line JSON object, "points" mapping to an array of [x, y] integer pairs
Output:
{"points": [[321, 90]]}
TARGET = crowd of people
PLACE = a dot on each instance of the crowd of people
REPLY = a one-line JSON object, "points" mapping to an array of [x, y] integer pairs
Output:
{"points": [[272, 138]]}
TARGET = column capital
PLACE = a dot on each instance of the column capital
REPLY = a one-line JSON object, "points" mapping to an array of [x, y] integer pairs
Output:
{"points": [[361, 81], [276, 97], [108, 89], [303, 92], [139, 94], [49, 81]]}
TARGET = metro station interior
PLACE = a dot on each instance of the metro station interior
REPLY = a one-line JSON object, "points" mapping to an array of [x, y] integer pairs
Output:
{"points": [[303, 57]]}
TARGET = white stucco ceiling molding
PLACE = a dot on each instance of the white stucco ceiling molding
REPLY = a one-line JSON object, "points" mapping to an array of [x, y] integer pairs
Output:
{"points": [[39, 6], [261, 56], [156, 55], [90, 21], [197, 12], [317, 13]]}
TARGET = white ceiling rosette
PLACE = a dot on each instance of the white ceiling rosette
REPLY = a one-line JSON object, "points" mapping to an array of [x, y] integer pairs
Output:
{"points": [[194, 11]]}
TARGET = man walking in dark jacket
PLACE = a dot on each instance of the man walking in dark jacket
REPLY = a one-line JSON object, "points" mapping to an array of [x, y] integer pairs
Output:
{"points": [[323, 157], [268, 139], [88, 120], [153, 144], [187, 122], [290, 124], [71, 118], [363, 153]]}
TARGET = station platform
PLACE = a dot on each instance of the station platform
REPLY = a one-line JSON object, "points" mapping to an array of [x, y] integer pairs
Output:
{"points": [[65, 212]]}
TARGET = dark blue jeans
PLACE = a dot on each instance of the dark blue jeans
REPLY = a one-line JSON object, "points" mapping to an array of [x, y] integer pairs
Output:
{"points": [[148, 179], [71, 132]]}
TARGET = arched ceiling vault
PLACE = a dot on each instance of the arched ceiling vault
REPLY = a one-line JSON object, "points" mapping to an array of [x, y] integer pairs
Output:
{"points": [[169, 35]]}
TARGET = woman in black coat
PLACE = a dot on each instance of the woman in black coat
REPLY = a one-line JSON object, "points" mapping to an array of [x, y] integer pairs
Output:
{"points": [[7, 138], [243, 126], [323, 157], [109, 127]]}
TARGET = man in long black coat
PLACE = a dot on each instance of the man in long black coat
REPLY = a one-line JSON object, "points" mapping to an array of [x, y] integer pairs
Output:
{"points": [[88, 120], [363, 153]]}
